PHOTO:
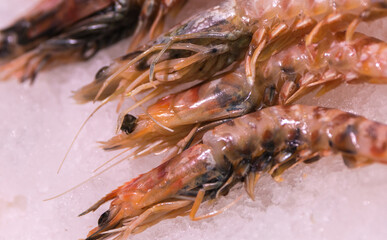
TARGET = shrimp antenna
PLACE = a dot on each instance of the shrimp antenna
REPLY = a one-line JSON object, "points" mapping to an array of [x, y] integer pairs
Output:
{"points": [[111, 159], [88, 179], [79, 131], [138, 154]]}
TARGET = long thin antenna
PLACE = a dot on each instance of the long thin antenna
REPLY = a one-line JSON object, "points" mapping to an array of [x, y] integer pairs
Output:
{"points": [[87, 180], [111, 159], [79, 131]]}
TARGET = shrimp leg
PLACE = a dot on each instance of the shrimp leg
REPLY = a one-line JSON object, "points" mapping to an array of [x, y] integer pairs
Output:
{"points": [[268, 141]]}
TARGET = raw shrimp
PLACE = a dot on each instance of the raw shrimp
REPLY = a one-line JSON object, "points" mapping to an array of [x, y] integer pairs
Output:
{"points": [[71, 204], [196, 49], [225, 97], [83, 39], [48, 18], [268, 141], [280, 80], [214, 39]]}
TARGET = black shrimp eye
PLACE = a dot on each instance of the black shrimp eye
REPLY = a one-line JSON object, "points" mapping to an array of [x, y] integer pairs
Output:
{"points": [[129, 124], [103, 218], [101, 74]]}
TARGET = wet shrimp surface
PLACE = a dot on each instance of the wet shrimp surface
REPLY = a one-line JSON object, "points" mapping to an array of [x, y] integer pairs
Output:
{"points": [[324, 200]]}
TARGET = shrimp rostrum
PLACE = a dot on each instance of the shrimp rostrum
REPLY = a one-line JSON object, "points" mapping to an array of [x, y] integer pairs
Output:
{"points": [[267, 141], [51, 35]]}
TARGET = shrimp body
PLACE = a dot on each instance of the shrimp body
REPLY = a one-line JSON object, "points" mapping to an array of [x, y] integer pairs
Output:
{"points": [[268, 141], [290, 134]]}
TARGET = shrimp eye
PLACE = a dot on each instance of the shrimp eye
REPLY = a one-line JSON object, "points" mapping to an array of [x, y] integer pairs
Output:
{"points": [[129, 124], [102, 74], [103, 218]]}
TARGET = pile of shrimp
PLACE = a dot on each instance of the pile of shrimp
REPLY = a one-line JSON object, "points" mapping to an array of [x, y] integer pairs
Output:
{"points": [[250, 64]]}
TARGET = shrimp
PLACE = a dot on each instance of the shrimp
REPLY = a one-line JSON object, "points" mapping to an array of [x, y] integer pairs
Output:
{"points": [[280, 80], [214, 39], [83, 39], [267, 141], [282, 22], [225, 97], [197, 49], [48, 18]]}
